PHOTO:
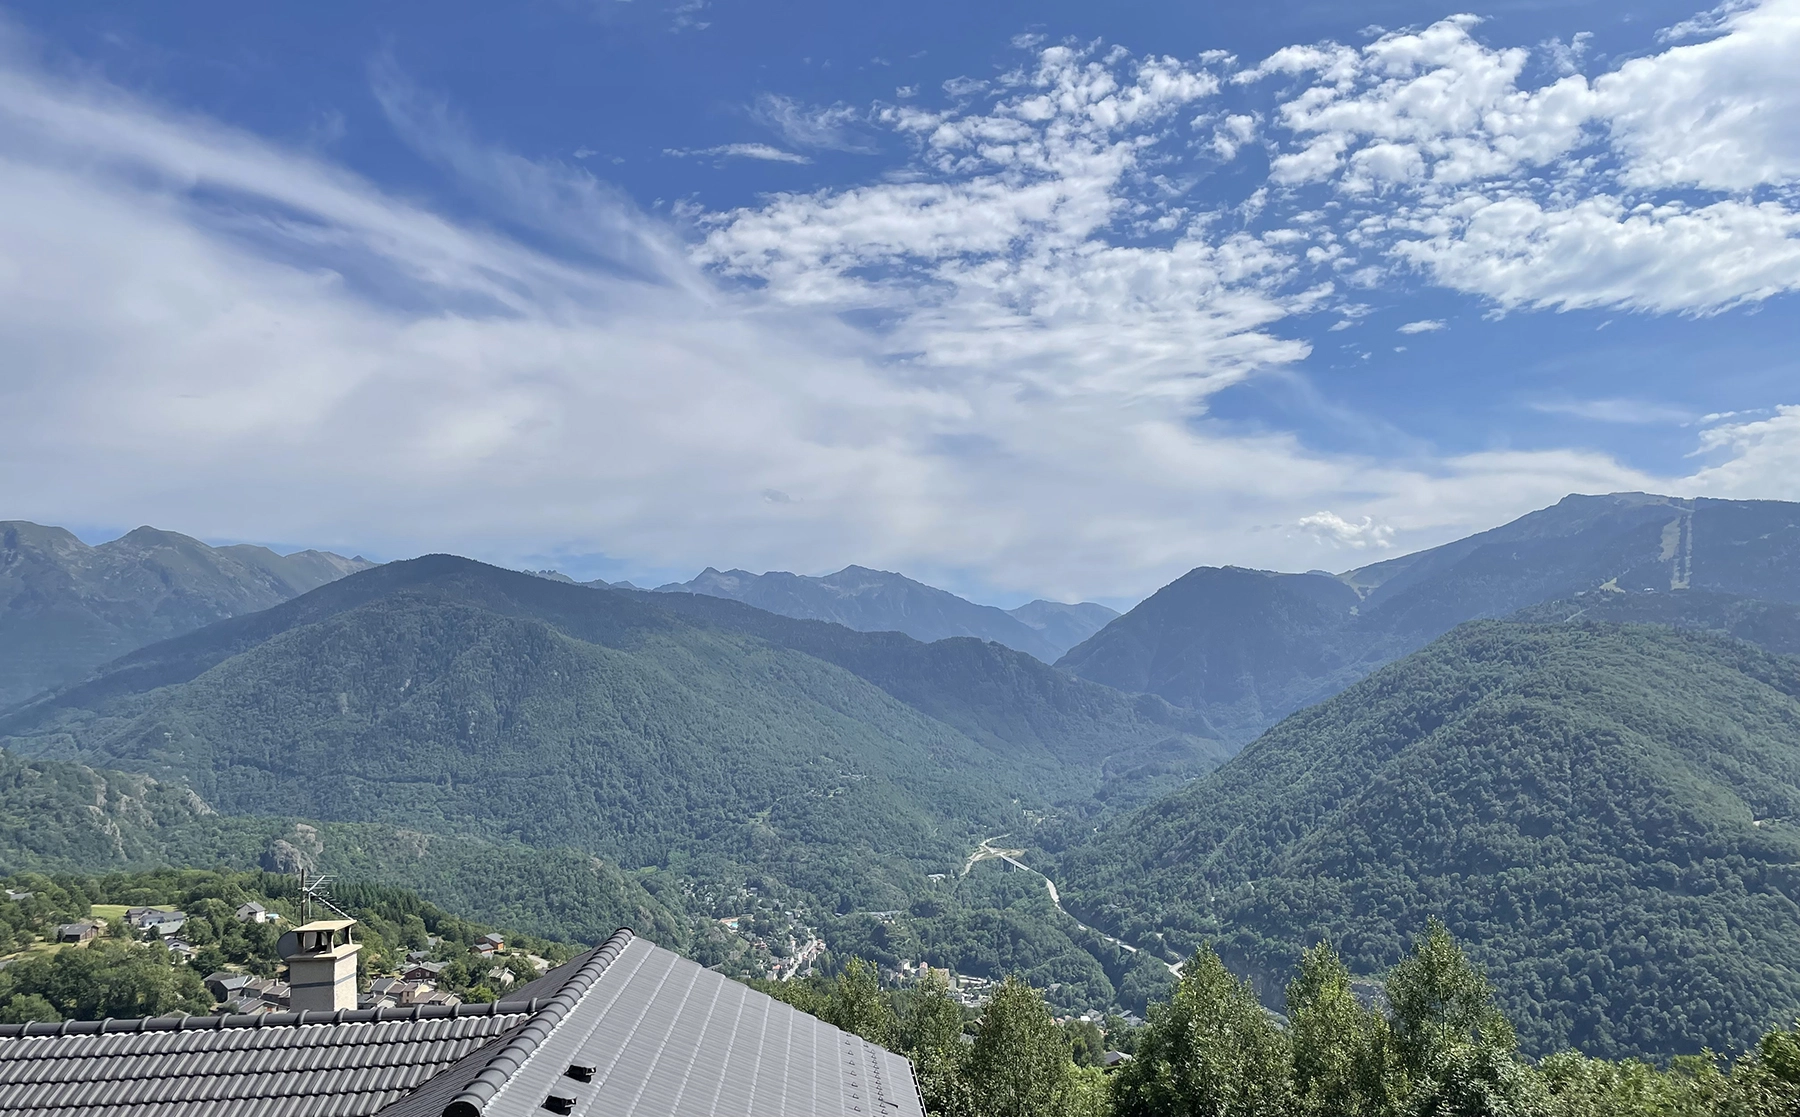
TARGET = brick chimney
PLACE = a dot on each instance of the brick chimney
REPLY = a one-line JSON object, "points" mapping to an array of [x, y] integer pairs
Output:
{"points": [[321, 962]]}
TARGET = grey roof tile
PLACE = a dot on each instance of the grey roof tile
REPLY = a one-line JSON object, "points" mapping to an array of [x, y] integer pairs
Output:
{"points": [[665, 1037]]}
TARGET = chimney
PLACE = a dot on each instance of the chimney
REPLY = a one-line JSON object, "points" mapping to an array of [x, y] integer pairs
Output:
{"points": [[321, 962]]}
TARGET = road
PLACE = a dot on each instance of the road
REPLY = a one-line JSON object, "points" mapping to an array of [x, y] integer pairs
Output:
{"points": [[987, 851]]}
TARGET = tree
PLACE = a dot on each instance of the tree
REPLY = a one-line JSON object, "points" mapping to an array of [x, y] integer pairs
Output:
{"points": [[1344, 1060], [931, 1033], [1454, 1043], [858, 1006], [1019, 1065], [1210, 1051]]}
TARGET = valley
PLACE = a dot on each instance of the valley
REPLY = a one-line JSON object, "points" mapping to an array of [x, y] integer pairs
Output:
{"points": [[1584, 771]]}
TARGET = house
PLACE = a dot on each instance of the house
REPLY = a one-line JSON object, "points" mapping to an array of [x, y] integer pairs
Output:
{"points": [[82, 930], [501, 976], [180, 948], [225, 985], [492, 942], [254, 912], [18, 896], [624, 1028], [165, 923], [423, 971], [134, 917]]}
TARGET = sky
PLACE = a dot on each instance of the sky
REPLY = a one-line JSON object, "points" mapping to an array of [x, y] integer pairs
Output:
{"points": [[1023, 300]]}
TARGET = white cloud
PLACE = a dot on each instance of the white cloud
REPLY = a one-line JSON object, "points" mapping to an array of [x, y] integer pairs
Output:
{"points": [[209, 331], [1629, 411], [1333, 528], [829, 127], [764, 152], [1576, 193], [1422, 326]]}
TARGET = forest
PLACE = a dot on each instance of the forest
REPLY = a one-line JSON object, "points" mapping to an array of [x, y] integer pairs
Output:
{"points": [[1431, 1041]]}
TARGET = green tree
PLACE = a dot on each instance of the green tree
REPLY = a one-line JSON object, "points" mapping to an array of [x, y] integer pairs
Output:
{"points": [[1766, 1081], [1578, 1086], [1019, 1064], [1211, 1051], [1344, 1060], [931, 1034], [1456, 1046], [858, 1006]]}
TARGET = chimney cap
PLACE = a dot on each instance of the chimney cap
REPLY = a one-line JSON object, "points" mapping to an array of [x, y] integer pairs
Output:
{"points": [[326, 925]]}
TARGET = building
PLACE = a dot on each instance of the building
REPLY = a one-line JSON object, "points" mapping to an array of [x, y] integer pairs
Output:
{"points": [[254, 912], [424, 971], [82, 930], [625, 1030]]}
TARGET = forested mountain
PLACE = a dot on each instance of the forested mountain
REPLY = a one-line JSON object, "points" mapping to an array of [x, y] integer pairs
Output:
{"points": [[66, 607], [451, 697], [878, 601], [58, 817], [1609, 815], [1245, 648]]}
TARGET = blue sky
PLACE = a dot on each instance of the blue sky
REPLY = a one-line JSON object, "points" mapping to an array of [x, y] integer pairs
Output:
{"points": [[1024, 300]]}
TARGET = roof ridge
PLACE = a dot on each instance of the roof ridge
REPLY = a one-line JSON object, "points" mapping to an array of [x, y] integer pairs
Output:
{"points": [[510, 1058], [185, 1023]]}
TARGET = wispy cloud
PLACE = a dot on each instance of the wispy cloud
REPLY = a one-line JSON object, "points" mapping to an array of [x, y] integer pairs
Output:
{"points": [[1422, 326], [740, 151], [1628, 411], [828, 127]]}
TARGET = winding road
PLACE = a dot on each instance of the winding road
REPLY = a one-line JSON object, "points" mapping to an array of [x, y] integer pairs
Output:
{"points": [[987, 851]]}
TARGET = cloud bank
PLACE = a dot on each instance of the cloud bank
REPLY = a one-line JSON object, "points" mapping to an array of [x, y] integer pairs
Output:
{"points": [[991, 364]]}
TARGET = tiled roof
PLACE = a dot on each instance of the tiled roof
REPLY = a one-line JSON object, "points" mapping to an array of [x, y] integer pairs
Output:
{"points": [[626, 1029], [276, 1070]]}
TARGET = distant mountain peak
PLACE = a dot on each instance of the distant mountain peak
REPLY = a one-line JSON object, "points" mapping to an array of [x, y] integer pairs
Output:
{"points": [[870, 600]]}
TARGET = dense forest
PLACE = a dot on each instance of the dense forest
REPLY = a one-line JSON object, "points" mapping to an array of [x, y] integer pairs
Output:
{"points": [[1435, 1043], [1606, 813]]}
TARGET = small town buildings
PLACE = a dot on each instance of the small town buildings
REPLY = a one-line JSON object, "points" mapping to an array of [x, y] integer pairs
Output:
{"points": [[82, 930], [424, 971]]}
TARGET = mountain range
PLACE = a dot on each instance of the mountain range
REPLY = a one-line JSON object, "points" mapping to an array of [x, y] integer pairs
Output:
{"points": [[1575, 737], [453, 697], [1245, 648], [66, 607], [879, 601]]}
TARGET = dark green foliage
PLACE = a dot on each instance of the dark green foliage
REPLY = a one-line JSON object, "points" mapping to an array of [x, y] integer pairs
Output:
{"points": [[106, 978], [450, 697], [1603, 813], [1072, 731], [1019, 1064], [1211, 1051], [61, 817]]}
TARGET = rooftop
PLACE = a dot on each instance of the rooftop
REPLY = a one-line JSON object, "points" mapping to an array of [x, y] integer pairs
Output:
{"points": [[626, 1029]]}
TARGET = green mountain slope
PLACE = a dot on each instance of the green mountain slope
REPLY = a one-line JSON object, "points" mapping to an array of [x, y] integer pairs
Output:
{"points": [[60, 817], [876, 601], [1608, 815], [1246, 648], [451, 697], [1005, 700], [66, 607]]}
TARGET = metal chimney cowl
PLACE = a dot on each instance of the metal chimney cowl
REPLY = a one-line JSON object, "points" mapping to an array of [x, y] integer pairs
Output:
{"points": [[321, 962]]}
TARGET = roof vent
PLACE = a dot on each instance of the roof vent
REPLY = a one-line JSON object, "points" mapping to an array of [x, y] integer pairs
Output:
{"points": [[580, 1073], [555, 1103]]}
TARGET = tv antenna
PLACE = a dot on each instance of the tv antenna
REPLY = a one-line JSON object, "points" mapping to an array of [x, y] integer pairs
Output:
{"points": [[316, 890]]}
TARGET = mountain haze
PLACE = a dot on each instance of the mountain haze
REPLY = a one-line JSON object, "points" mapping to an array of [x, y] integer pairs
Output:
{"points": [[1245, 648], [879, 601], [66, 607], [452, 697], [1608, 815]]}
